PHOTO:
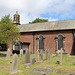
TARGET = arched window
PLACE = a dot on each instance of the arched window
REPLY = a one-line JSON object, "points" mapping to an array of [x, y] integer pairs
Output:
{"points": [[40, 41], [60, 42]]}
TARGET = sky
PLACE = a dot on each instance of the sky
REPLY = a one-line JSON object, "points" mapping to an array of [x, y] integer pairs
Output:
{"points": [[29, 10]]}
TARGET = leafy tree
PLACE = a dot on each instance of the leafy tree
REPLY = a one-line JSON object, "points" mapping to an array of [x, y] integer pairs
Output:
{"points": [[9, 33], [37, 20]]}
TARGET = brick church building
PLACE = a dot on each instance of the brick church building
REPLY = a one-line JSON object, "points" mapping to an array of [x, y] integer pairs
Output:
{"points": [[47, 35]]}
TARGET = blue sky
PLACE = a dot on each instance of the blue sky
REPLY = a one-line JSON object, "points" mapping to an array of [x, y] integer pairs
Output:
{"points": [[29, 10]]}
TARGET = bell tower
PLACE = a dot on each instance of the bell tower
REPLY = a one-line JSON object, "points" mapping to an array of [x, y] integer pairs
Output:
{"points": [[16, 19]]}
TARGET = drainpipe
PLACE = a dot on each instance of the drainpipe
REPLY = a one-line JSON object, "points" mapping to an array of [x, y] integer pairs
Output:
{"points": [[33, 41]]}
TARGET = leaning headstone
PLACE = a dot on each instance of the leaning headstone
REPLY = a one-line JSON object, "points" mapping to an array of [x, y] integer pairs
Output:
{"points": [[27, 56], [33, 61], [61, 56], [47, 53], [21, 53], [8, 54], [14, 65]]}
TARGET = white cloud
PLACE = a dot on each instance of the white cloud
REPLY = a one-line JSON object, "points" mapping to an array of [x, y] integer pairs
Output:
{"points": [[32, 9]]}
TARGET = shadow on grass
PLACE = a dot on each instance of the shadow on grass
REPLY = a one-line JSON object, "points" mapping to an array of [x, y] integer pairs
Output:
{"points": [[2, 55]]}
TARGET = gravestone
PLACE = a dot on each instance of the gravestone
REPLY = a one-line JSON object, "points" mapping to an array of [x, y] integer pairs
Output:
{"points": [[8, 54], [38, 55], [21, 53], [61, 56], [41, 55], [33, 61], [47, 53], [14, 64], [27, 59], [27, 56]]}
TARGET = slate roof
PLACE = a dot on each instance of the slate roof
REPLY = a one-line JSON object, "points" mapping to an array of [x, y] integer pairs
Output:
{"points": [[47, 26]]}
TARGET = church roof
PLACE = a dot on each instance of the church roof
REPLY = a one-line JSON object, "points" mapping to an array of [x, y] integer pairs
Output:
{"points": [[48, 26], [24, 40]]}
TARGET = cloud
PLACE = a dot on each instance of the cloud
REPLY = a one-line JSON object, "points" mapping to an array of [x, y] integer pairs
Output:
{"points": [[32, 9]]}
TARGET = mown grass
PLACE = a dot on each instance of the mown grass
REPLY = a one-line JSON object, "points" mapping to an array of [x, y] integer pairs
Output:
{"points": [[68, 64]]}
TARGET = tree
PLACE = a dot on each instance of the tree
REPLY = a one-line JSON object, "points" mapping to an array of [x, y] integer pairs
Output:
{"points": [[37, 20], [9, 33]]}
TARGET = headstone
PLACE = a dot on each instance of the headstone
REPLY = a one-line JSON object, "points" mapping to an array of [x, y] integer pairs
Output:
{"points": [[33, 61], [61, 56], [21, 53], [27, 56], [8, 54], [27, 59], [14, 64], [38, 55], [47, 53], [41, 55]]}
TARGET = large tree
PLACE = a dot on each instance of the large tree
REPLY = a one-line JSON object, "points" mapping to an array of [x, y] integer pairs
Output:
{"points": [[9, 33], [37, 20]]}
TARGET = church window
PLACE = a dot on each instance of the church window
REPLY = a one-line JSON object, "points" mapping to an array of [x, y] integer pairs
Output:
{"points": [[40, 41], [60, 42]]}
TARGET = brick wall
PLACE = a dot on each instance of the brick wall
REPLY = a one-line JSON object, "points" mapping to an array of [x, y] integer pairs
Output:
{"points": [[49, 41]]}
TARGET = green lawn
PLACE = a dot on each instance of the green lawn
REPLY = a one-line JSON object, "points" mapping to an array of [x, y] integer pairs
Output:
{"points": [[68, 64]]}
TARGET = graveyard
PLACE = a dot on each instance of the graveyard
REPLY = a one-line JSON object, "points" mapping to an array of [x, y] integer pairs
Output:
{"points": [[40, 63]]}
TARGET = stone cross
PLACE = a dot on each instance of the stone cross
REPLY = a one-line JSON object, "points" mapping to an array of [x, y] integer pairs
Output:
{"points": [[8, 54], [27, 56], [47, 53], [61, 56], [21, 53], [14, 65]]}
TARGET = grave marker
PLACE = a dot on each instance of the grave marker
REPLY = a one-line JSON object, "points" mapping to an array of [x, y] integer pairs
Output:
{"points": [[14, 65], [27, 56], [47, 53], [8, 54], [21, 53], [61, 56]]}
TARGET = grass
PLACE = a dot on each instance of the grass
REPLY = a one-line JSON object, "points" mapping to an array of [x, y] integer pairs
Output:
{"points": [[68, 64]]}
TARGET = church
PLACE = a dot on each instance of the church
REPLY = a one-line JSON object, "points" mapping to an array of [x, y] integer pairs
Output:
{"points": [[46, 35]]}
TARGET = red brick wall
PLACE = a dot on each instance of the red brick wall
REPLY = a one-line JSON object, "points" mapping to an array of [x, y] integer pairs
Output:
{"points": [[49, 41]]}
